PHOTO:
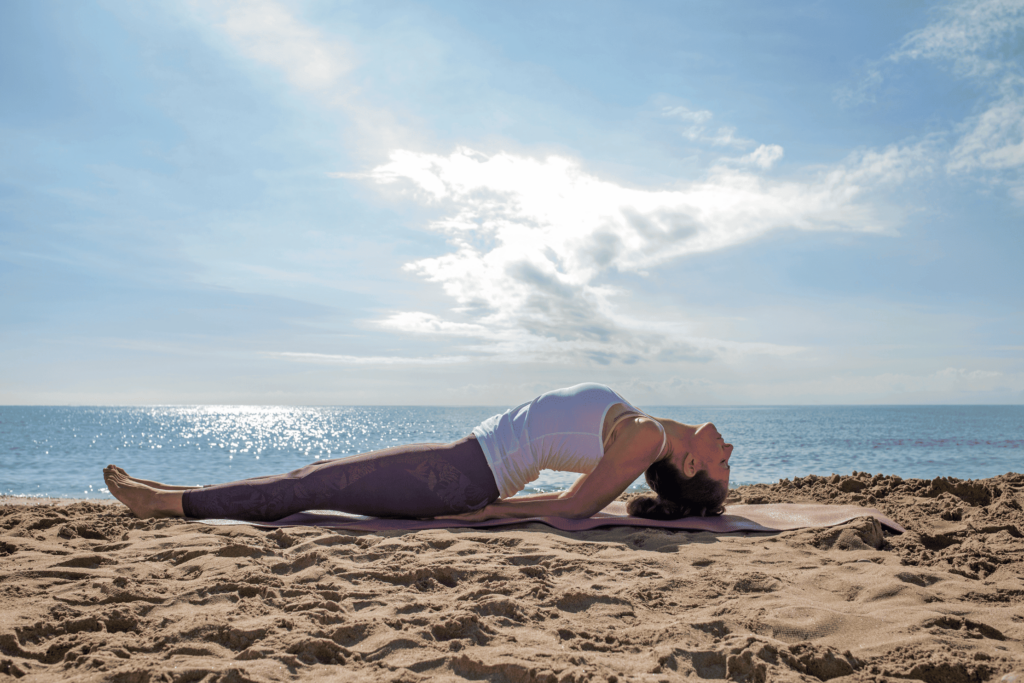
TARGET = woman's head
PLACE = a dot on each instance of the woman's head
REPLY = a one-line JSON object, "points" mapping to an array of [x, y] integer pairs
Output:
{"points": [[698, 449], [693, 479]]}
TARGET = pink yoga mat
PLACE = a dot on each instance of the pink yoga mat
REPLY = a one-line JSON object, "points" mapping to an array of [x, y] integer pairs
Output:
{"points": [[777, 517]]}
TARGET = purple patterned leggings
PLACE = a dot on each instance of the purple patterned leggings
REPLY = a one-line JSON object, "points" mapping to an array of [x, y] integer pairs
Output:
{"points": [[414, 481]]}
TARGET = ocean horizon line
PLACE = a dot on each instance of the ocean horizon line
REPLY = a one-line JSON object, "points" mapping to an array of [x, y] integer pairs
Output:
{"points": [[495, 405]]}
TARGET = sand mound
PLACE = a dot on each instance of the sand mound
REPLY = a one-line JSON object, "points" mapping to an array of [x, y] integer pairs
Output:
{"points": [[90, 593], [971, 528]]}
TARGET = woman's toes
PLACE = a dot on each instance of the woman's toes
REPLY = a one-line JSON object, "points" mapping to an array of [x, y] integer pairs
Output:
{"points": [[115, 478]]}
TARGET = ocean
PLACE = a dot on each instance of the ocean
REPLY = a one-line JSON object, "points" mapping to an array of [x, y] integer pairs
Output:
{"points": [[60, 451]]}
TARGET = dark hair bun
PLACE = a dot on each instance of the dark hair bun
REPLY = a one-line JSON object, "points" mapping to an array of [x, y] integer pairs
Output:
{"points": [[679, 496], [651, 507]]}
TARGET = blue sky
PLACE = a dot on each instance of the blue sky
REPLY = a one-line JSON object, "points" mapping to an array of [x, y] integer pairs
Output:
{"points": [[469, 203]]}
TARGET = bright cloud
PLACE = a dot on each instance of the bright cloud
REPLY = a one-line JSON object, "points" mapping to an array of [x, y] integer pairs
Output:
{"points": [[425, 323], [533, 240]]}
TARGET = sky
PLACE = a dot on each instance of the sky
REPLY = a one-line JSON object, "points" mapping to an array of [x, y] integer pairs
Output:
{"points": [[470, 203]]}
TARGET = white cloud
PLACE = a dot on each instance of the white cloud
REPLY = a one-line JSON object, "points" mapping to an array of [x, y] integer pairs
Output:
{"points": [[965, 374], [534, 239], [697, 131], [885, 168], [697, 118], [425, 323], [968, 33], [994, 139], [265, 32], [764, 156], [979, 39], [334, 359], [974, 37]]}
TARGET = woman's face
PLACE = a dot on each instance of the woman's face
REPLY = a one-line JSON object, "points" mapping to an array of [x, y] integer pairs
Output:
{"points": [[708, 451]]}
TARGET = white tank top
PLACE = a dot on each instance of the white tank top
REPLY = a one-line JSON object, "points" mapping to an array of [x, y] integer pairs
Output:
{"points": [[560, 430]]}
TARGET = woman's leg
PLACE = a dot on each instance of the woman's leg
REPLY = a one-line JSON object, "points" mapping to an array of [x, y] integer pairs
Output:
{"points": [[414, 481]]}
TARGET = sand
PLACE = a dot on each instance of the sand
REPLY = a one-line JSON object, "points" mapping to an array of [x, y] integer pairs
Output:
{"points": [[90, 593]]}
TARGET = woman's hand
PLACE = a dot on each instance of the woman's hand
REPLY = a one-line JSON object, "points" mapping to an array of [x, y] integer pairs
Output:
{"points": [[488, 512]]}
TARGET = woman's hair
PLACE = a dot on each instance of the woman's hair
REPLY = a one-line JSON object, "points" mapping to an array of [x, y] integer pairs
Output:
{"points": [[677, 496]]}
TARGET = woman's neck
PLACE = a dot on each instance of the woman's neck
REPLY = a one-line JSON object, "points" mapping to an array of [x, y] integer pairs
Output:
{"points": [[679, 437]]}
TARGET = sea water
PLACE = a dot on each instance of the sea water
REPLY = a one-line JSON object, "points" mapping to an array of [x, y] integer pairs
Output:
{"points": [[61, 451]]}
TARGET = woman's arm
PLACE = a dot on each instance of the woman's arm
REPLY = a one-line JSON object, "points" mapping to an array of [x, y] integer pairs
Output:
{"points": [[540, 496], [635, 449]]}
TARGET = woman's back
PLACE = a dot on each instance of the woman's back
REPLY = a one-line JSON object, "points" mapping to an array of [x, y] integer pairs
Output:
{"points": [[561, 430]]}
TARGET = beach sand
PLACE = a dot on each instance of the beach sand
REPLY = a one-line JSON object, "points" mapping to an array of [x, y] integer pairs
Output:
{"points": [[90, 593]]}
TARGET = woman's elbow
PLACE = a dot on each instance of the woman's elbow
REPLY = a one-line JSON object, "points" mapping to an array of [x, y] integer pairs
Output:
{"points": [[573, 507]]}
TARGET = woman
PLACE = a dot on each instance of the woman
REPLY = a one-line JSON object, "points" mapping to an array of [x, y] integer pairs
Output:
{"points": [[587, 428]]}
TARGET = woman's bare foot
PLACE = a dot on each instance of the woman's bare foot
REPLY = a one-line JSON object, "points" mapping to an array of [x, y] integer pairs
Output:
{"points": [[153, 484], [142, 500]]}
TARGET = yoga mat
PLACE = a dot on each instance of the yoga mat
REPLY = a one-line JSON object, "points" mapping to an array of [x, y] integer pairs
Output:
{"points": [[777, 517]]}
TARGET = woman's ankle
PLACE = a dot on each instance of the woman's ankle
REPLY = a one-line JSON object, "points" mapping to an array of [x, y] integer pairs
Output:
{"points": [[170, 504]]}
